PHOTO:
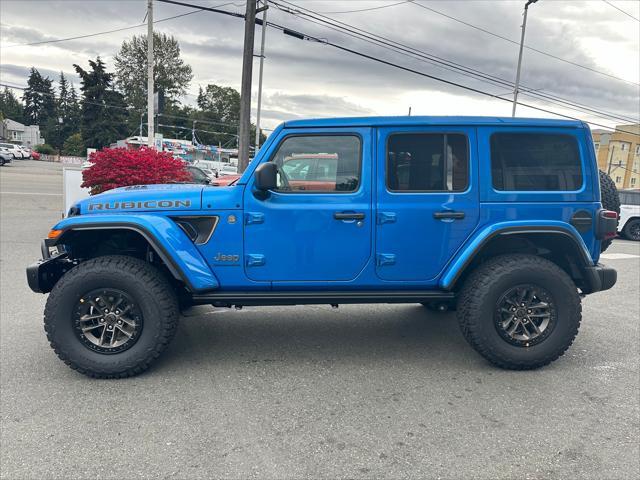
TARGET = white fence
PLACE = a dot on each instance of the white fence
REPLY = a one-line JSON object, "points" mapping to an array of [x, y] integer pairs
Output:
{"points": [[64, 159]]}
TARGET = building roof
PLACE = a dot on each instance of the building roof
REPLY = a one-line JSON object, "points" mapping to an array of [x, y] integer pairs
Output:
{"points": [[408, 121], [13, 125]]}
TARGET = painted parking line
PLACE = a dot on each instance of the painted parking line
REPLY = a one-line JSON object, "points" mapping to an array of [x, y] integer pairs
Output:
{"points": [[32, 193], [618, 256]]}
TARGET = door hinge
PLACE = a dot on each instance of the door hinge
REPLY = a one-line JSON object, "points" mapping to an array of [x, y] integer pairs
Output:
{"points": [[386, 217], [383, 259], [254, 260], [252, 218]]}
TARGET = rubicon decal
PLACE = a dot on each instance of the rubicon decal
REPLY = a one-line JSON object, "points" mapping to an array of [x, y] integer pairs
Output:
{"points": [[149, 204]]}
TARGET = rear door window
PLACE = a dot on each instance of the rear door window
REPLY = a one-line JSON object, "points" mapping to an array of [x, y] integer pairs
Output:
{"points": [[535, 162], [427, 162]]}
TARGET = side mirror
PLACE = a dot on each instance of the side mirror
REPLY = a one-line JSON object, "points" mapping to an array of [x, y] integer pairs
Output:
{"points": [[266, 176]]}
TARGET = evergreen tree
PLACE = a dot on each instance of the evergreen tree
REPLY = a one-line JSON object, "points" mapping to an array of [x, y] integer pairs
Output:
{"points": [[68, 109], [10, 106], [39, 99], [103, 111]]}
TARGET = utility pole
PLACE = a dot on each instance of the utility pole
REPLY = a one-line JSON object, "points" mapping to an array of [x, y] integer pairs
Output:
{"points": [[244, 132], [264, 30], [613, 147], [524, 27], [150, 114]]}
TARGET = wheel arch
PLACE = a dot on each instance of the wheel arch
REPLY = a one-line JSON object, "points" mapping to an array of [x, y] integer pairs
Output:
{"points": [[554, 242], [161, 234]]}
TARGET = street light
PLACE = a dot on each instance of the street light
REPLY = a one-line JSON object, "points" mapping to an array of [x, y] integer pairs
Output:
{"points": [[524, 27]]}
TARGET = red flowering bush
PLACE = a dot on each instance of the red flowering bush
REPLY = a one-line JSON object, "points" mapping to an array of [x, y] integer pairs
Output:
{"points": [[119, 167]]}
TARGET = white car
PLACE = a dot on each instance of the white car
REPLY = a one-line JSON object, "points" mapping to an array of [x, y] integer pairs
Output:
{"points": [[25, 151], [15, 150], [629, 224], [228, 169]]}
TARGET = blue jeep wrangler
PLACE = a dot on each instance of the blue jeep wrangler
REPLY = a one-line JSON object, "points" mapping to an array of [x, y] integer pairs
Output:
{"points": [[498, 218]]}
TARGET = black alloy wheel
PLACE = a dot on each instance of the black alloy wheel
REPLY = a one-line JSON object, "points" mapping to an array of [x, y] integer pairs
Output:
{"points": [[107, 321], [525, 315]]}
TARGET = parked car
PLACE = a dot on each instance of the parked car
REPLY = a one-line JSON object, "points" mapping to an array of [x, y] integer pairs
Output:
{"points": [[629, 224], [227, 169], [500, 219], [35, 155], [5, 156], [26, 152], [14, 149], [225, 181], [198, 175]]}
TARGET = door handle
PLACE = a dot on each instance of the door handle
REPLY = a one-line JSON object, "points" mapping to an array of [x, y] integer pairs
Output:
{"points": [[448, 214], [348, 216]]}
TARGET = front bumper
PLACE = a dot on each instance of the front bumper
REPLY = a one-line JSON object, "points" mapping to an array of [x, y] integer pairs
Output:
{"points": [[599, 278], [43, 275]]}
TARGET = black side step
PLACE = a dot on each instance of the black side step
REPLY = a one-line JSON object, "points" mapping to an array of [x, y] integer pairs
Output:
{"points": [[225, 299]]}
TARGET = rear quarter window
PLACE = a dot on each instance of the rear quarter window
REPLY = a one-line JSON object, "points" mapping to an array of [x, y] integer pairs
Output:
{"points": [[535, 162]]}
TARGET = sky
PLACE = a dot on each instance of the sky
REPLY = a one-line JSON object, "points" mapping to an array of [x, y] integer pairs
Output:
{"points": [[305, 79]]}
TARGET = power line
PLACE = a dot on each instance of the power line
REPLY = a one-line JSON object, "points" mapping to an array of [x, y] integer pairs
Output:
{"points": [[107, 31], [457, 68], [371, 8], [198, 121], [303, 36], [620, 10], [517, 43]]}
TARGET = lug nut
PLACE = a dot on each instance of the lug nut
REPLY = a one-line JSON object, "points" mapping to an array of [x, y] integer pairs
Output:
{"points": [[102, 320], [119, 322], [528, 311]]}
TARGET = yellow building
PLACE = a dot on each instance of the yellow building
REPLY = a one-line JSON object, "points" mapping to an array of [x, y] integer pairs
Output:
{"points": [[618, 154]]}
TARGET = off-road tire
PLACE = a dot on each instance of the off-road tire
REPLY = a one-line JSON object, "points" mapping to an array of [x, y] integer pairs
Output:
{"points": [[630, 229], [610, 201], [144, 283], [477, 306]]}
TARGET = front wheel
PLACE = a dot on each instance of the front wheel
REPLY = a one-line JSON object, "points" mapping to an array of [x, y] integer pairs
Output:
{"points": [[520, 312], [111, 317]]}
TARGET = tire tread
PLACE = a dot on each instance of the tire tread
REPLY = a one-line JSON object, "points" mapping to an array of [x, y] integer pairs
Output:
{"points": [[475, 290], [154, 283]]}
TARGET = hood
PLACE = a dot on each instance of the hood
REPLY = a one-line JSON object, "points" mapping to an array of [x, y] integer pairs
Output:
{"points": [[144, 198]]}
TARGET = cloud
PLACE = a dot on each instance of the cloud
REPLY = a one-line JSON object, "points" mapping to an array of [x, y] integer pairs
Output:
{"points": [[304, 79]]}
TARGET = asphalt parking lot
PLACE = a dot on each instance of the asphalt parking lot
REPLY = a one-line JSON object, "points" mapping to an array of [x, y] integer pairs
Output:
{"points": [[383, 391]]}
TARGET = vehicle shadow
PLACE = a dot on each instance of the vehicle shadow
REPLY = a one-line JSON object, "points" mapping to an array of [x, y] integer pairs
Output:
{"points": [[364, 333]]}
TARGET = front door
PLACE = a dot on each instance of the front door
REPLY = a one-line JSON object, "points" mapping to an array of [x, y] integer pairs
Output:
{"points": [[427, 199], [317, 225]]}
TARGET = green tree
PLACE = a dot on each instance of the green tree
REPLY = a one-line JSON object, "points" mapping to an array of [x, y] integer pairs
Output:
{"points": [[39, 99], [103, 111], [171, 74], [10, 105], [74, 145], [220, 106], [68, 108]]}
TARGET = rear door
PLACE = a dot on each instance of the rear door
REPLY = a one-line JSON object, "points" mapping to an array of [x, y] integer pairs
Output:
{"points": [[427, 199]]}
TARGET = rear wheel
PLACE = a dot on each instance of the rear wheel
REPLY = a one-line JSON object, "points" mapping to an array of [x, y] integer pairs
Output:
{"points": [[111, 317], [520, 312], [610, 200], [632, 229]]}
